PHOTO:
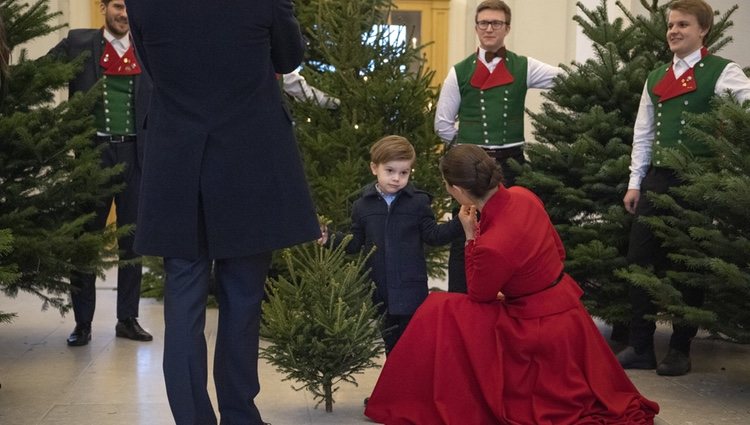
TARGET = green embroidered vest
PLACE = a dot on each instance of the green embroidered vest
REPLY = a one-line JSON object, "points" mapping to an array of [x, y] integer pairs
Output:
{"points": [[669, 115], [493, 116], [116, 112]]}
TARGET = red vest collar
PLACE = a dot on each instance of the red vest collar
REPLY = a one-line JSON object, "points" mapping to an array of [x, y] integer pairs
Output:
{"points": [[113, 64], [483, 79], [670, 87]]}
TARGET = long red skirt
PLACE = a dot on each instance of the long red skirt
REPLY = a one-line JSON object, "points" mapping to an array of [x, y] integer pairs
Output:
{"points": [[460, 362]]}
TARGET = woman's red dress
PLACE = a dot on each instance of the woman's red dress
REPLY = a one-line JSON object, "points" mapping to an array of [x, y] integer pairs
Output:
{"points": [[535, 359]]}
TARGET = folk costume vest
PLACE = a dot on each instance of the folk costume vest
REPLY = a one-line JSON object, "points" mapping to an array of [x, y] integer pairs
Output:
{"points": [[116, 113], [492, 104], [672, 97]]}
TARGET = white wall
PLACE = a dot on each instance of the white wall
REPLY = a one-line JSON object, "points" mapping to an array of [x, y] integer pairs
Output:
{"points": [[76, 13]]}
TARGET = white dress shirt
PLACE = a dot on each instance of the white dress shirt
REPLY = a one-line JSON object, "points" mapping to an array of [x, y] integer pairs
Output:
{"points": [[732, 79], [296, 85], [539, 76], [121, 45]]}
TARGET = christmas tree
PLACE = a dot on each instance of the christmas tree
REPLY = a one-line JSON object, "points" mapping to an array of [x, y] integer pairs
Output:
{"points": [[321, 320], [376, 71], [580, 165], [50, 177]]}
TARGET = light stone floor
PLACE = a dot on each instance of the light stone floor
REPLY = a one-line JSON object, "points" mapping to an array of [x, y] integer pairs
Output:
{"points": [[113, 381]]}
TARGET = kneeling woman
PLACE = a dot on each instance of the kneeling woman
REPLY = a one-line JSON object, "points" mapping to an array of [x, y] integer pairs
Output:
{"points": [[519, 348]]}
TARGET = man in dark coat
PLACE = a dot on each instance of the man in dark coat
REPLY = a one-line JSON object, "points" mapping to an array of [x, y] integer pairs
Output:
{"points": [[222, 182], [119, 120]]}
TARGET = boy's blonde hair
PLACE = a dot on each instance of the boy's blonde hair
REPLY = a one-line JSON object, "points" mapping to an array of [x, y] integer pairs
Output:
{"points": [[392, 148]]}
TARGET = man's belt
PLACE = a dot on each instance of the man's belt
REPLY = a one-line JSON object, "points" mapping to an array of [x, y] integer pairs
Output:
{"points": [[114, 139], [501, 154]]}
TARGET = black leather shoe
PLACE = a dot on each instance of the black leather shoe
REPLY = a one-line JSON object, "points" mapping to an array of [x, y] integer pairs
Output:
{"points": [[129, 328], [676, 363], [81, 335], [629, 358]]}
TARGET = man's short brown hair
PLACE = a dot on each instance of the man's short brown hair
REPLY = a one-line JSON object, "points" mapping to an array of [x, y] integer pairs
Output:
{"points": [[392, 148], [698, 8], [494, 5]]}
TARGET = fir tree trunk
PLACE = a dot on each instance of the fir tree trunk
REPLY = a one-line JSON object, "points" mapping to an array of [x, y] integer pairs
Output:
{"points": [[328, 390]]}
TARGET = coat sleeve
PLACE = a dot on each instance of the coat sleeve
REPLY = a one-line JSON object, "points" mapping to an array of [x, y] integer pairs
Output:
{"points": [[434, 233], [137, 34], [287, 44], [487, 272]]}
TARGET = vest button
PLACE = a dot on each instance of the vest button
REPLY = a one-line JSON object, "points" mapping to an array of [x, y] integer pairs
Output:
{"points": [[686, 102]]}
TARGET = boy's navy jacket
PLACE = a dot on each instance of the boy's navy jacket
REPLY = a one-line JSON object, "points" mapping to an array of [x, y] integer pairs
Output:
{"points": [[398, 265]]}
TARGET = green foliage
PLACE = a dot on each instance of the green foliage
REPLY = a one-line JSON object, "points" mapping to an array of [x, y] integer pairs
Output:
{"points": [[706, 226], [383, 88], [585, 131], [8, 272], [321, 320], [50, 177]]}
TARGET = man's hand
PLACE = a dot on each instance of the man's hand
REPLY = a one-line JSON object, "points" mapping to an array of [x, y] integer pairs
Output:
{"points": [[632, 196]]}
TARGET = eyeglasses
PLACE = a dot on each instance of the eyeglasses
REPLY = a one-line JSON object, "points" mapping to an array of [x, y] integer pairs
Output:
{"points": [[496, 25]]}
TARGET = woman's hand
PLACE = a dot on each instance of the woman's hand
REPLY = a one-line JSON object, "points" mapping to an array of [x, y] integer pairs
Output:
{"points": [[468, 218]]}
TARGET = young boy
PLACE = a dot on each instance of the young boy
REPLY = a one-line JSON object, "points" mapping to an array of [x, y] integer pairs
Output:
{"points": [[396, 218]]}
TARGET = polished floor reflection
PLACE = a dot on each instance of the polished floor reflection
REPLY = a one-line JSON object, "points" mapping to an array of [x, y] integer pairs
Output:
{"points": [[114, 381]]}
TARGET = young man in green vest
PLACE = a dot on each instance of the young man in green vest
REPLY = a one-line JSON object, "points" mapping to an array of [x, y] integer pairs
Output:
{"points": [[482, 103], [687, 84], [119, 118]]}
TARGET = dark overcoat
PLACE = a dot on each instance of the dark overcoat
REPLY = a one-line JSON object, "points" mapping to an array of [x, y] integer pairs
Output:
{"points": [[92, 41], [399, 232], [222, 168]]}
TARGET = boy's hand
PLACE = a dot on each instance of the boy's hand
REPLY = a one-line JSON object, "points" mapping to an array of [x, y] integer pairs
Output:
{"points": [[323, 235]]}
